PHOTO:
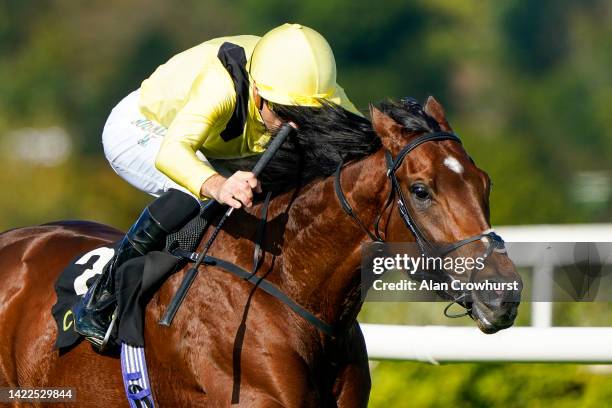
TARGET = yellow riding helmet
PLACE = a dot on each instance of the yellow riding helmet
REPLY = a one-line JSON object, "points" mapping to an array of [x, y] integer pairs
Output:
{"points": [[294, 65]]}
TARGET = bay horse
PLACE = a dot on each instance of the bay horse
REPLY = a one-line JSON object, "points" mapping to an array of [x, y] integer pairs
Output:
{"points": [[231, 343]]}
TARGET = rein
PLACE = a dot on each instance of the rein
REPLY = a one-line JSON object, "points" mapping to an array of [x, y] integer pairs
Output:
{"points": [[427, 248]]}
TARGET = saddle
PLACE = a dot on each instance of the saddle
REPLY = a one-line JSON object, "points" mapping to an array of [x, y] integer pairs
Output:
{"points": [[137, 281]]}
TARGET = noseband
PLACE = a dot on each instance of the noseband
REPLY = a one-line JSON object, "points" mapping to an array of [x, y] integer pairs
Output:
{"points": [[426, 246]]}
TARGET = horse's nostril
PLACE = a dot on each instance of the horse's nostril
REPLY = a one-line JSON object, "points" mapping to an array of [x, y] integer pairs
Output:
{"points": [[492, 300], [501, 294], [497, 294]]}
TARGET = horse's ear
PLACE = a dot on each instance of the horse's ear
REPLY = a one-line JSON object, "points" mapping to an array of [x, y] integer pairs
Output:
{"points": [[387, 129], [434, 109]]}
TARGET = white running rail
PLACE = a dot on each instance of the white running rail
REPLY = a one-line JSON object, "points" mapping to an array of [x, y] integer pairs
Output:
{"points": [[434, 344], [539, 343]]}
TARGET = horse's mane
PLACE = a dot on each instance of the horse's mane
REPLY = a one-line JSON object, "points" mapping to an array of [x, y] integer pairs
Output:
{"points": [[410, 114], [326, 136]]}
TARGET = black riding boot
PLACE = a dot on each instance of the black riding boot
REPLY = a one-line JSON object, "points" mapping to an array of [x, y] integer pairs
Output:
{"points": [[94, 315]]}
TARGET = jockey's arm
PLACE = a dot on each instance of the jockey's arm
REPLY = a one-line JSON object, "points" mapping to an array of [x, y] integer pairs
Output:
{"points": [[205, 114]]}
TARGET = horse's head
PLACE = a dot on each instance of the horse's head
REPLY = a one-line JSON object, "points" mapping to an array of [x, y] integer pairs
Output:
{"points": [[446, 199]]}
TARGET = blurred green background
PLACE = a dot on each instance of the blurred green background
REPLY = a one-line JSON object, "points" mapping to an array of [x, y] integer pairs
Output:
{"points": [[526, 83]]}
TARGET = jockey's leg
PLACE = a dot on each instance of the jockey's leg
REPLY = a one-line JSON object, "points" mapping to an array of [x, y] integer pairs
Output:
{"points": [[167, 214]]}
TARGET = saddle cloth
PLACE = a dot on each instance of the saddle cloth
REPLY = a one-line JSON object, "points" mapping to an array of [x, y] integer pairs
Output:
{"points": [[136, 281]]}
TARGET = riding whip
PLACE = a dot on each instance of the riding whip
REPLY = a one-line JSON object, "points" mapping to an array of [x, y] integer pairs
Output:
{"points": [[180, 294]]}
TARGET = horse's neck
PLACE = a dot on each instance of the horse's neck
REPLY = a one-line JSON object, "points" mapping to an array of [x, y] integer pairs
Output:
{"points": [[322, 254]]}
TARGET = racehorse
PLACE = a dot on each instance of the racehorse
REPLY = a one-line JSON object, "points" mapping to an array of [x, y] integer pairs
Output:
{"points": [[233, 344]]}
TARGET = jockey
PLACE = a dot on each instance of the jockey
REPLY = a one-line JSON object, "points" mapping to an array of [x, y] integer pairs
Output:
{"points": [[215, 100]]}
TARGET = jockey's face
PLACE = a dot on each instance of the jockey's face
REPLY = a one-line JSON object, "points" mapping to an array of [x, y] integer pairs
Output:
{"points": [[270, 119]]}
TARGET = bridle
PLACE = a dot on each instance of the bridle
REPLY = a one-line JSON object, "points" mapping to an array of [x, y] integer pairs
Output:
{"points": [[426, 246]]}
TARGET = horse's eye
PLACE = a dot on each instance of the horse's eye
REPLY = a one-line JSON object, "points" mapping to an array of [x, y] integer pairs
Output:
{"points": [[420, 192]]}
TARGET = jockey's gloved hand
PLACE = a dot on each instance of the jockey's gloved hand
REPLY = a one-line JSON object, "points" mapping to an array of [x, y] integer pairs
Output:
{"points": [[235, 191]]}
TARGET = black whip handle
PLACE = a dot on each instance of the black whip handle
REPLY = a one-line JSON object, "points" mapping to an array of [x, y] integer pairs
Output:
{"points": [[271, 150]]}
